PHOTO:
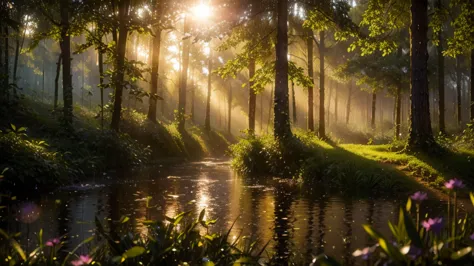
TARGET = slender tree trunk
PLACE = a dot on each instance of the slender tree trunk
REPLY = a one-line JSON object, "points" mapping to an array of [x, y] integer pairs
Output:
{"points": [[66, 58], [56, 82], [328, 112], [309, 43], [374, 103], [322, 119], [42, 73], [348, 106], [441, 92], [124, 6], [184, 76], [261, 112], [207, 122], [421, 135], [458, 90], [101, 86], [336, 101], [282, 129], [193, 96], [229, 110], [472, 85], [4, 89], [252, 97], [398, 112], [155, 61], [293, 96], [6, 69], [17, 55], [270, 108]]}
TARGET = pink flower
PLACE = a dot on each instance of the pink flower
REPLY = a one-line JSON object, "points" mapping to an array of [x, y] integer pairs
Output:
{"points": [[435, 225], [454, 184], [83, 260], [52, 242]]}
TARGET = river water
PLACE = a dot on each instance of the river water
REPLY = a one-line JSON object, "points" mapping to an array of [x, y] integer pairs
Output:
{"points": [[299, 221]]}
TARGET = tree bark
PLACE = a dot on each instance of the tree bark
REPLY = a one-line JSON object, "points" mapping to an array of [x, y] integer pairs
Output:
{"points": [[6, 69], [193, 96], [282, 129], [124, 6], [207, 122], [155, 63], [309, 44], [66, 58], [101, 86], [328, 112], [421, 135], [293, 96], [56, 82], [398, 112], [374, 103], [458, 91], [322, 119], [472, 85], [336, 101], [270, 108], [441, 89], [252, 97], [348, 106], [229, 110], [184, 77]]}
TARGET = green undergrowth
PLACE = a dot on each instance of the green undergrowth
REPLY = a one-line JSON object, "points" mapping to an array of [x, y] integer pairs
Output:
{"points": [[38, 151], [349, 167]]}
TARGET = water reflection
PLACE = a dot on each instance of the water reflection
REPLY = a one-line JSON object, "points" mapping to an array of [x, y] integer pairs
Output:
{"points": [[298, 221]]}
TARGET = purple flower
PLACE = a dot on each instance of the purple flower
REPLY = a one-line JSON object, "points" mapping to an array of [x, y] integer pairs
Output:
{"points": [[52, 242], [419, 196], [454, 184], [435, 225], [471, 237], [83, 260], [363, 253]]}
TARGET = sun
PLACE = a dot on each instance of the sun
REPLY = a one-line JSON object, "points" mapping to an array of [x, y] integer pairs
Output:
{"points": [[202, 11]]}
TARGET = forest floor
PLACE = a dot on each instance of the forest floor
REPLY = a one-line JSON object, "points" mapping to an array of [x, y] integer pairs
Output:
{"points": [[38, 151], [355, 168]]}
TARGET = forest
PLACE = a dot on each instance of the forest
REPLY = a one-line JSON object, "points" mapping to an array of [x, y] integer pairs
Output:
{"points": [[236, 132]]}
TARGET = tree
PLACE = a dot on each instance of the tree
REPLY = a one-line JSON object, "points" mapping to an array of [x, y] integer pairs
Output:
{"points": [[65, 44], [421, 136]]}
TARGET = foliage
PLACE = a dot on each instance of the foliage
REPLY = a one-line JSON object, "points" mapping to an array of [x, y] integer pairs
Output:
{"points": [[175, 240], [435, 241]]}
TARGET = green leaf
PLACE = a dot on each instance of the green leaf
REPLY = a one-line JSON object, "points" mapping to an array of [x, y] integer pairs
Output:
{"points": [[201, 215], [124, 219], [13, 127], [18, 249], [411, 229], [472, 198], [461, 253], [133, 252], [408, 207]]}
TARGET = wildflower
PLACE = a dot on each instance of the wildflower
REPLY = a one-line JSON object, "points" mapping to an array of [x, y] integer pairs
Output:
{"points": [[454, 184], [435, 225], [52, 242], [419, 196], [471, 237], [363, 253], [83, 260]]}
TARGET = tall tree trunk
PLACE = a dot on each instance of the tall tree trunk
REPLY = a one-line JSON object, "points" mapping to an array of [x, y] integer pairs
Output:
{"points": [[42, 73], [442, 126], [56, 82], [421, 135], [184, 76], [101, 86], [123, 8], [348, 106], [193, 96], [336, 102], [252, 97], [398, 112], [207, 122], [459, 90], [229, 110], [328, 112], [309, 45], [282, 120], [472, 85], [322, 119], [17, 50], [261, 112], [66, 58], [6, 69], [293, 97], [155, 61], [374, 103], [270, 108]]}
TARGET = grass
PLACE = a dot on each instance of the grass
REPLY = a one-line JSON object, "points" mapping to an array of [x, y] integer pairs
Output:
{"points": [[351, 168]]}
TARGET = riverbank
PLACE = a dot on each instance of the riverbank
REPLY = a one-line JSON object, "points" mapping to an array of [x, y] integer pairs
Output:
{"points": [[37, 151], [353, 168]]}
